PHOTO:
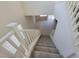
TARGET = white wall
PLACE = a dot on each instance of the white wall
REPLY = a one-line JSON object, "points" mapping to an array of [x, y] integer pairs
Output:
{"points": [[37, 7], [11, 12], [30, 22], [63, 37], [46, 26]]}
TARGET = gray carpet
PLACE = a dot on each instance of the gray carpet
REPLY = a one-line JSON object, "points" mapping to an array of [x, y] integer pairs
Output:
{"points": [[45, 48]]}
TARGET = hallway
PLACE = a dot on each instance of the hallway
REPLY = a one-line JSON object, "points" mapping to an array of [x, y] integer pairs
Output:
{"points": [[45, 48]]}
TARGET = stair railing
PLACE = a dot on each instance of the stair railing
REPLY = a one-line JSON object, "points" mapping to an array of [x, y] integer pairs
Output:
{"points": [[32, 35], [12, 46], [73, 9], [25, 40]]}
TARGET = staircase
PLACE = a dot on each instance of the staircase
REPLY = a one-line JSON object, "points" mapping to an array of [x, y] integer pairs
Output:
{"points": [[25, 43], [45, 48]]}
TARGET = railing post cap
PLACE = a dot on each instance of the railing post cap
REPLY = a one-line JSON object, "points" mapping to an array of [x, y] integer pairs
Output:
{"points": [[12, 24]]}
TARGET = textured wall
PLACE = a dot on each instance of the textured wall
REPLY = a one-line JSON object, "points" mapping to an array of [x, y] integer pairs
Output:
{"points": [[46, 26], [11, 12], [37, 8], [63, 37]]}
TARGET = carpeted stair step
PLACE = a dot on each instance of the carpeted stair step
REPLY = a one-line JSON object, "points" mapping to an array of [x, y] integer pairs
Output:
{"points": [[46, 49], [46, 44], [42, 54]]}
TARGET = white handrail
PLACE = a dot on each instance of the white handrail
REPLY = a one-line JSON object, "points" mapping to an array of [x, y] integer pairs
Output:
{"points": [[72, 9], [33, 36], [76, 26], [27, 43], [8, 46], [74, 20]]}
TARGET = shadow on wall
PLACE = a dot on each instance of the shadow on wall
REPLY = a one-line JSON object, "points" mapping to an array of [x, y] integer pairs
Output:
{"points": [[55, 24], [47, 26]]}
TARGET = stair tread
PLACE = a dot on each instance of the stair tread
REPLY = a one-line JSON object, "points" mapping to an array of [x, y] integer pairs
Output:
{"points": [[46, 44], [45, 41], [42, 54], [46, 49]]}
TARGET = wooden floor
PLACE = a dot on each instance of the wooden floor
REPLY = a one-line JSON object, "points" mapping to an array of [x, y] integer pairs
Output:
{"points": [[45, 48]]}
